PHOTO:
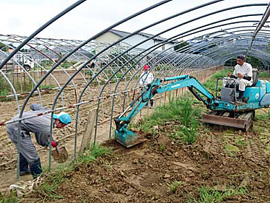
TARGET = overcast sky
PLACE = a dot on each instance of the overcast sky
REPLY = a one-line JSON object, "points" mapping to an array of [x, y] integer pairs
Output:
{"points": [[23, 17]]}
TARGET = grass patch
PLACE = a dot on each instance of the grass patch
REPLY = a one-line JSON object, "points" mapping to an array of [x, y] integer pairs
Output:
{"points": [[231, 150], [262, 116], [19, 86], [188, 134], [210, 84], [212, 195], [181, 110], [4, 93], [167, 112], [48, 189], [11, 198], [94, 152], [264, 75], [162, 147], [46, 87], [240, 141], [258, 128], [173, 186]]}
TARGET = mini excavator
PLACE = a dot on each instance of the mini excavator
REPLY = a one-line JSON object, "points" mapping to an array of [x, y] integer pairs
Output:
{"points": [[225, 109]]}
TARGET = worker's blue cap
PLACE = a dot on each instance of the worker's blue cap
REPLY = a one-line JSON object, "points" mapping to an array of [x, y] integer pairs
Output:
{"points": [[63, 117]]}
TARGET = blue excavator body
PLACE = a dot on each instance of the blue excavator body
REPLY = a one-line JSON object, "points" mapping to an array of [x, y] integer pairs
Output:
{"points": [[225, 110]]}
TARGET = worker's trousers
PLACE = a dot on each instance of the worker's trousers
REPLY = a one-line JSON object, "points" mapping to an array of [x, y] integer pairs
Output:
{"points": [[243, 83], [27, 148]]}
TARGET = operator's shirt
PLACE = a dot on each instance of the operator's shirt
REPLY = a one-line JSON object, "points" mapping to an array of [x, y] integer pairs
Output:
{"points": [[245, 69]]}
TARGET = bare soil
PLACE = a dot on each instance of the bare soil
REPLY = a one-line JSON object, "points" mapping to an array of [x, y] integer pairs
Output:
{"points": [[144, 173], [8, 152], [65, 136]]}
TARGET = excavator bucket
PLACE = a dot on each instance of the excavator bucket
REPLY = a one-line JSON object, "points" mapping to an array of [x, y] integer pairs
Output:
{"points": [[127, 138]]}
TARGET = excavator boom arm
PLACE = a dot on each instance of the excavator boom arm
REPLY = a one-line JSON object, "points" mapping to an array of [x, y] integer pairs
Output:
{"points": [[199, 91]]}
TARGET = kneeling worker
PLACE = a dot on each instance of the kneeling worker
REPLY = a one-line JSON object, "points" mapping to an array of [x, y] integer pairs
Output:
{"points": [[40, 126], [243, 73]]}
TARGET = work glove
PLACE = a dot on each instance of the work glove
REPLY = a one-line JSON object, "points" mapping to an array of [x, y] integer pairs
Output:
{"points": [[54, 143]]}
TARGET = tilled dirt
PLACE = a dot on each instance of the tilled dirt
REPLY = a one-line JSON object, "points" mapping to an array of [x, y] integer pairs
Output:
{"points": [[8, 151], [65, 136], [145, 172]]}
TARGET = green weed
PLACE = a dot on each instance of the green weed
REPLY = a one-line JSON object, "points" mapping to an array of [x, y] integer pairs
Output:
{"points": [[258, 129], [264, 75], [189, 116], [173, 186], [188, 135], [181, 109], [212, 195], [263, 116], [98, 151], [210, 85], [231, 150], [172, 110], [187, 113], [92, 154], [11, 198], [162, 147], [47, 87], [206, 130], [240, 141]]}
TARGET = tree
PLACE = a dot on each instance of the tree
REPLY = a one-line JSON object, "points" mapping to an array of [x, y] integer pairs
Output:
{"points": [[3, 47], [250, 59], [267, 47], [254, 61], [180, 45]]}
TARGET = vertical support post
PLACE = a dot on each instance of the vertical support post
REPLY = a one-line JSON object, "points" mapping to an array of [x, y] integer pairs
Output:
{"points": [[85, 143]]}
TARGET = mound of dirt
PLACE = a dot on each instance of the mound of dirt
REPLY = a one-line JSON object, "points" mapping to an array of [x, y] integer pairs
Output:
{"points": [[147, 172]]}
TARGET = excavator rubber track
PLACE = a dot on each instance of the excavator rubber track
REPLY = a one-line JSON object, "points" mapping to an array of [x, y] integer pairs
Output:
{"points": [[241, 121]]}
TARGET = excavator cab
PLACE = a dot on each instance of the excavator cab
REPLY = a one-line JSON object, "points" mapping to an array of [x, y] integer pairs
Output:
{"points": [[230, 90], [229, 93]]}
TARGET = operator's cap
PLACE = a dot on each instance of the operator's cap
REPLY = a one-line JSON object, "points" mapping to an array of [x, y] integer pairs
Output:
{"points": [[145, 67], [63, 117], [242, 57]]}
